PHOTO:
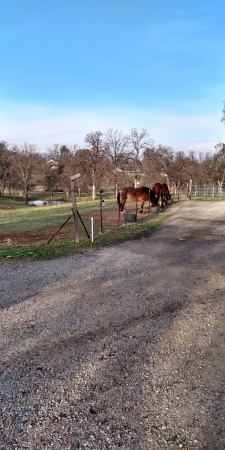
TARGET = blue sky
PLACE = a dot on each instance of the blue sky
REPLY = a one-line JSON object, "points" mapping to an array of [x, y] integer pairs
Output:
{"points": [[69, 67]]}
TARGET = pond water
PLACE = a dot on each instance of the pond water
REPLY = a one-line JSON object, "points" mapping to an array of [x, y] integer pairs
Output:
{"points": [[45, 202]]}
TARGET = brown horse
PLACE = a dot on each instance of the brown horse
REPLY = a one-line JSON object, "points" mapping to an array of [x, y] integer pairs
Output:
{"points": [[142, 194], [162, 193]]}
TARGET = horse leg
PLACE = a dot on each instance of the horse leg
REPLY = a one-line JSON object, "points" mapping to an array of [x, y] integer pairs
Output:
{"points": [[163, 201], [142, 207], [159, 200], [167, 197], [123, 206]]}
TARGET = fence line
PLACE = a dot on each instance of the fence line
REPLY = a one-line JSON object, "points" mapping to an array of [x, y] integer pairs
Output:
{"points": [[208, 191]]}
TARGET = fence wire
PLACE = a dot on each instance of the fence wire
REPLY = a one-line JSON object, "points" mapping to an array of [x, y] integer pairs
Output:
{"points": [[208, 191]]}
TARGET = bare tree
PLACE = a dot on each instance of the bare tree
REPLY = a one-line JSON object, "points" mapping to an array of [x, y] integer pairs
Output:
{"points": [[116, 144], [192, 167], [59, 168], [5, 166], [97, 153], [218, 164], [27, 168], [166, 161], [171, 166], [205, 169], [139, 141], [152, 166], [180, 174], [81, 164]]}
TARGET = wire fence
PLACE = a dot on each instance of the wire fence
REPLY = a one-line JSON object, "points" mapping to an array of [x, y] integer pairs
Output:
{"points": [[104, 216], [208, 191]]}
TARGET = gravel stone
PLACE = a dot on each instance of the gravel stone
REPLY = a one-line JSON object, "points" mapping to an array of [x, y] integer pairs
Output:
{"points": [[119, 348]]}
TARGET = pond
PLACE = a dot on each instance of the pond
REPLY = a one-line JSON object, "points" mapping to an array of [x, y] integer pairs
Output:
{"points": [[45, 202]]}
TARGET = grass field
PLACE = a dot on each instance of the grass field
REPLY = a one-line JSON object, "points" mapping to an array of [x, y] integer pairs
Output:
{"points": [[25, 230]]}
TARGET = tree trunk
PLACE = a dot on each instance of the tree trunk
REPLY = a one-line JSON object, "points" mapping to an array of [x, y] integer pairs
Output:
{"points": [[93, 191], [115, 186], [136, 181], [26, 196], [93, 185], [2, 189]]}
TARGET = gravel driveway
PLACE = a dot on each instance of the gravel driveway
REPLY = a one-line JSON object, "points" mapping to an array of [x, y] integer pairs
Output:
{"points": [[119, 348]]}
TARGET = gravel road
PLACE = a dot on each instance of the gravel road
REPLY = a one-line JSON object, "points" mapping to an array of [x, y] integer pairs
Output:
{"points": [[119, 348]]}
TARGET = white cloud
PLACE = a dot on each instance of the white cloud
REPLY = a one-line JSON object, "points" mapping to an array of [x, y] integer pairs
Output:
{"points": [[45, 125]]}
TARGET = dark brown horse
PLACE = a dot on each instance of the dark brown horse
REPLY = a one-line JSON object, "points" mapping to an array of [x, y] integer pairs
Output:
{"points": [[162, 193], [141, 194]]}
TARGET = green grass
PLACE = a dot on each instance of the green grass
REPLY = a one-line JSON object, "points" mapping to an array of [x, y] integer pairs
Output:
{"points": [[17, 217], [11, 202], [63, 247], [208, 199], [32, 217]]}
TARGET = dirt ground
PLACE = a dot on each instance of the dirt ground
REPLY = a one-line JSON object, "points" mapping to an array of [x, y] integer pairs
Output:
{"points": [[121, 347]]}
